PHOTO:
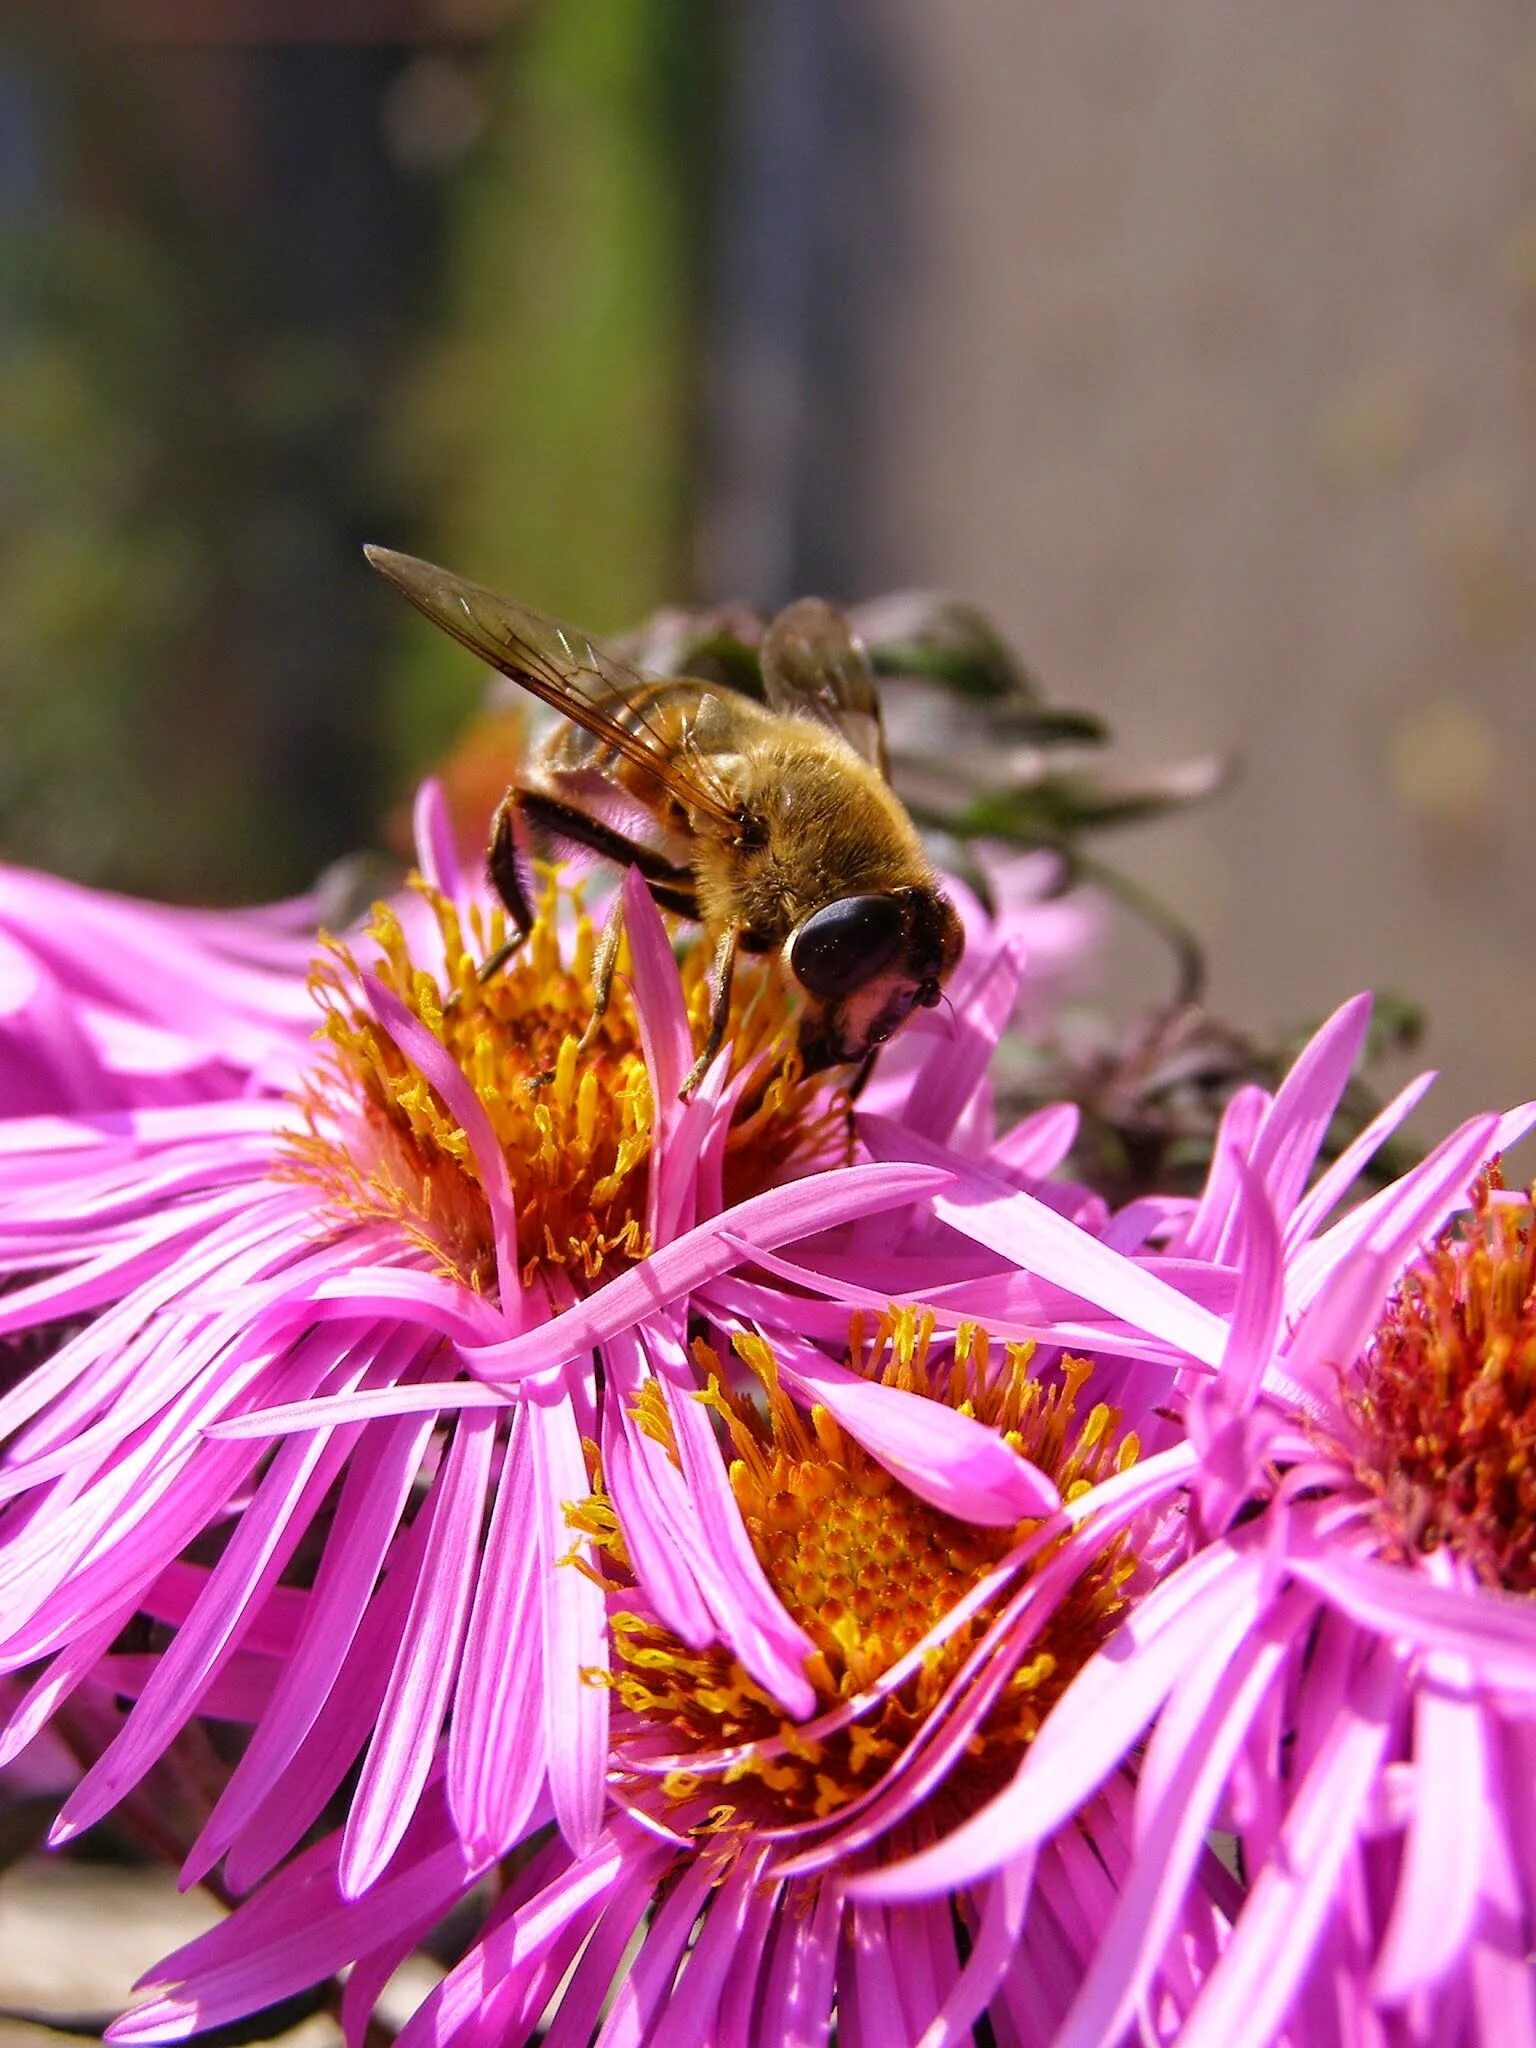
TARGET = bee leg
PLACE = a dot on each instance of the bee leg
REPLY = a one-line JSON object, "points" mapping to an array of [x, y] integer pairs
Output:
{"points": [[721, 969], [861, 1075], [505, 875], [566, 821], [604, 959]]}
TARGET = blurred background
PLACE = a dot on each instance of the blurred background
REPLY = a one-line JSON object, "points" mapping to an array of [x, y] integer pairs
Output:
{"points": [[1197, 345]]}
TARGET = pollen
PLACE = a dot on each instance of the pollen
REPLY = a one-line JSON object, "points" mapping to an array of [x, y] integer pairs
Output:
{"points": [[575, 1125], [1445, 1405], [868, 1569]]}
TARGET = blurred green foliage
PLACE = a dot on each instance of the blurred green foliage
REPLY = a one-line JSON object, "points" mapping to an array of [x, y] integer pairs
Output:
{"points": [[213, 388], [97, 578], [546, 431]]}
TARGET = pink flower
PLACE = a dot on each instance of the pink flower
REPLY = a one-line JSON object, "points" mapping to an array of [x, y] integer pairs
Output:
{"points": [[755, 1852], [1343, 1673], [310, 1373]]}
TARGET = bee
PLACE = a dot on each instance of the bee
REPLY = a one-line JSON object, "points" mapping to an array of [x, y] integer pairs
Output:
{"points": [[773, 825]]}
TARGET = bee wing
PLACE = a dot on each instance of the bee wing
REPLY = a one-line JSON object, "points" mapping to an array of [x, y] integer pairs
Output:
{"points": [[814, 665], [560, 666]]}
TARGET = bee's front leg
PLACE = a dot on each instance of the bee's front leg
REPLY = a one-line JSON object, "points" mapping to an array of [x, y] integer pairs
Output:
{"points": [[504, 870], [721, 969], [605, 958]]}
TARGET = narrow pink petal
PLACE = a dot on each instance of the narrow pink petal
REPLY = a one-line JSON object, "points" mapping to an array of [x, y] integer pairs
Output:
{"points": [[575, 1632], [1503, 1982], [652, 1501], [741, 1997], [1190, 1755], [1093, 1726], [1332, 1186], [1029, 1234], [798, 1989], [262, 1543], [1495, 1631], [369, 1404], [42, 1699], [773, 1648], [1401, 1216], [1298, 1119], [950, 1460], [404, 1745], [507, 1955], [1039, 1144], [1347, 1302], [1245, 1999], [648, 1983], [1260, 1294], [584, 1993], [993, 1948], [347, 1717], [296, 1933], [869, 2007], [778, 1216], [659, 1005], [1241, 1120], [373, 1499], [432, 829], [701, 1255], [1438, 1893], [496, 1760], [951, 1076], [437, 1065]]}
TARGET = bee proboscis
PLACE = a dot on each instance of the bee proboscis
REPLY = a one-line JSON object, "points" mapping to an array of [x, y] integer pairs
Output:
{"points": [[773, 824]]}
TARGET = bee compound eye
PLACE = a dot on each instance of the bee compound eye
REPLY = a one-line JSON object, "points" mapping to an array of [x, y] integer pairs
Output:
{"points": [[845, 944]]}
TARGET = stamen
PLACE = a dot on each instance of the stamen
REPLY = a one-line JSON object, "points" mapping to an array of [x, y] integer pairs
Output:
{"points": [[575, 1125], [868, 1569], [1445, 1405]]}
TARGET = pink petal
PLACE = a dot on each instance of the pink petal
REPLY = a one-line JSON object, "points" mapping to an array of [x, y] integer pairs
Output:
{"points": [[1298, 1119], [260, 1547], [1030, 1235], [495, 1739], [659, 1005], [432, 829], [1438, 1893], [1246, 1998], [575, 1633], [1332, 1186], [1092, 1727], [950, 1460], [404, 1744], [690, 2008], [1038, 1145], [1188, 1761], [951, 1076], [373, 1498], [437, 1065], [702, 1254], [1494, 1631]]}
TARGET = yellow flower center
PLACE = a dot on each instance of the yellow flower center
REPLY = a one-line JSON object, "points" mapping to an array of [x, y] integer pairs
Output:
{"points": [[576, 1127], [1446, 1406], [868, 1569]]}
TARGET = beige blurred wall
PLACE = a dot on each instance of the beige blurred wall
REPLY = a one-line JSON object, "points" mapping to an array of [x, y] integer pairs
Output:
{"points": [[1206, 358]]}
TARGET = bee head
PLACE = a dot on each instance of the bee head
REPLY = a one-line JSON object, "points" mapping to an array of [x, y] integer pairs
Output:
{"points": [[867, 962]]}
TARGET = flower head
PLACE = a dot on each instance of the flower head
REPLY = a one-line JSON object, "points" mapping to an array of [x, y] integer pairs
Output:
{"points": [[1342, 1674], [757, 1843]]}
